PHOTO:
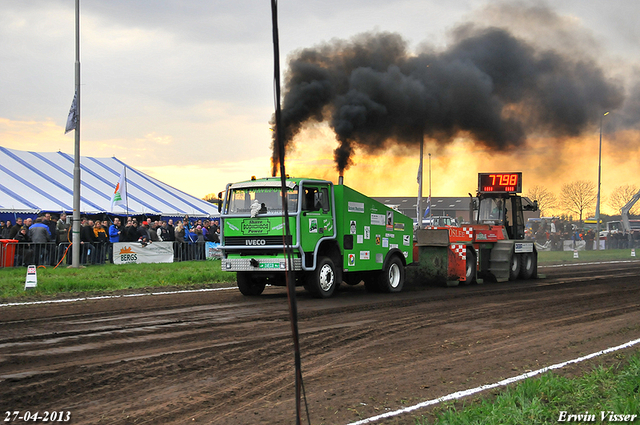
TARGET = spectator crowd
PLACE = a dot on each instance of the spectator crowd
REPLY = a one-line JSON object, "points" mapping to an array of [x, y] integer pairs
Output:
{"points": [[47, 241], [552, 234]]}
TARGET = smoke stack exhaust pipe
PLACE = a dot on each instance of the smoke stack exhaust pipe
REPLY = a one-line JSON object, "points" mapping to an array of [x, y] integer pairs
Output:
{"points": [[341, 180]]}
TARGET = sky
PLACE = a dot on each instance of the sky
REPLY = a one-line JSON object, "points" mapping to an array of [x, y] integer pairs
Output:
{"points": [[183, 90]]}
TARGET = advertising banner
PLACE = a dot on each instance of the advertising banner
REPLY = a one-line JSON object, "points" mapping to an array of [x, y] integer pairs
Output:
{"points": [[213, 251], [134, 252]]}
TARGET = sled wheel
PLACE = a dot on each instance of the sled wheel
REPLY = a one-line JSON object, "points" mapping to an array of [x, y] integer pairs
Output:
{"points": [[514, 266], [471, 267], [528, 265]]}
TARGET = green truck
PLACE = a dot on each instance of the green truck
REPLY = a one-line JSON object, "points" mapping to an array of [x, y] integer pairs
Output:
{"points": [[336, 233]]}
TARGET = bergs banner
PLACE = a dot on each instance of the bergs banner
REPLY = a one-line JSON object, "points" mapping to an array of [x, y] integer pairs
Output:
{"points": [[134, 252]]}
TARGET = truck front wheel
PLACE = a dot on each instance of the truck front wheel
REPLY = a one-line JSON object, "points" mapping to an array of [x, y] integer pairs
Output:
{"points": [[322, 282], [249, 285], [391, 279]]}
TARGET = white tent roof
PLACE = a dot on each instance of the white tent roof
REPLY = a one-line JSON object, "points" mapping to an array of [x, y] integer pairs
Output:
{"points": [[43, 181]]}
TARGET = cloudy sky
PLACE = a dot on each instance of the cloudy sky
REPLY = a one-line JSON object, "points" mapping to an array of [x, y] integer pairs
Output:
{"points": [[183, 90]]}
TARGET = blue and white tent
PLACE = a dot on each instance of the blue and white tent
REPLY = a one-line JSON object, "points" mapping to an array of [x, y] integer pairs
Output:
{"points": [[31, 182]]}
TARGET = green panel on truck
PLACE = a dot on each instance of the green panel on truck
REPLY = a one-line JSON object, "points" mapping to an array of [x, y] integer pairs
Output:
{"points": [[368, 230]]}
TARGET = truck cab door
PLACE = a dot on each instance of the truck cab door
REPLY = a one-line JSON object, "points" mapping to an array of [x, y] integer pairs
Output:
{"points": [[316, 221]]}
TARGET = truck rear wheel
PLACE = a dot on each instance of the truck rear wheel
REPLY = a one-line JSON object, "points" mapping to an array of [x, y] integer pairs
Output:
{"points": [[249, 285], [514, 266], [528, 265], [391, 279], [322, 282]]}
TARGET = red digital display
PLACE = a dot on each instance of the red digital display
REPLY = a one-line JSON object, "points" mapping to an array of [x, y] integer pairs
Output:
{"points": [[500, 182]]}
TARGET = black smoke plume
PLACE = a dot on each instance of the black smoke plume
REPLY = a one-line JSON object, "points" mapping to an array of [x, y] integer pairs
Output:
{"points": [[487, 85]]}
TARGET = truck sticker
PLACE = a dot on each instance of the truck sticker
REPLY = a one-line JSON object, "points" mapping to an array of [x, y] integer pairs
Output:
{"points": [[232, 226], [389, 220], [378, 240], [393, 245], [359, 239], [352, 259], [278, 227], [521, 247], [352, 227], [328, 225], [385, 242], [364, 255], [406, 254], [377, 220], [398, 226], [406, 240], [269, 265], [254, 227], [313, 225], [389, 235], [367, 232], [357, 207], [379, 258]]}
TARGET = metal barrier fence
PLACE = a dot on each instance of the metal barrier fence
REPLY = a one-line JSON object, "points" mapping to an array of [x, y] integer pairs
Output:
{"points": [[22, 254]]}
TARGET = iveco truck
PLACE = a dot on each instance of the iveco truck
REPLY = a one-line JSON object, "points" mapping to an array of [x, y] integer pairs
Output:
{"points": [[336, 235]]}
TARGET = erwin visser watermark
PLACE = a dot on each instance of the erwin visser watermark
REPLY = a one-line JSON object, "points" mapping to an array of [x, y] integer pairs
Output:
{"points": [[603, 416]]}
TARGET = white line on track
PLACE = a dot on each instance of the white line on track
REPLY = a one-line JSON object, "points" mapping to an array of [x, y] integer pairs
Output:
{"points": [[104, 297], [465, 393]]}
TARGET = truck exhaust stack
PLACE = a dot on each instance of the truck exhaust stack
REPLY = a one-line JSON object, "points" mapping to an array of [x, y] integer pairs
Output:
{"points": [[340, 179]]}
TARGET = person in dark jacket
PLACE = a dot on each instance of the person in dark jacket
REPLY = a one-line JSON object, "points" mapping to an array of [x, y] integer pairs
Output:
{"points": [[132, 231], [51, 224], [6, 229], [40, 234], [172, 230], [102, 240], [164, 232], [143, 233], [16, 228], [87, 238]]}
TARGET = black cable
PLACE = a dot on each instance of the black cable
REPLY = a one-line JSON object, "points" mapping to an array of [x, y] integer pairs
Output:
{"points": [[289, 275]]}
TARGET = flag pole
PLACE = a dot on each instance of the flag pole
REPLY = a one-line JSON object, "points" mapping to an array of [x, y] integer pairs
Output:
{"points": [[420, 183], [75, 256], [126, 189], [430, 211]]}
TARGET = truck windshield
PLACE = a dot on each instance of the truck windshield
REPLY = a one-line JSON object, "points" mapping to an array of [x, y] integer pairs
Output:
{"points": [[269, 199], [491, 211]]}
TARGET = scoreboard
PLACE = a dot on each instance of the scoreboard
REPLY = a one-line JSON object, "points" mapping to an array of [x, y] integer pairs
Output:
{"points": [[500, 182]]}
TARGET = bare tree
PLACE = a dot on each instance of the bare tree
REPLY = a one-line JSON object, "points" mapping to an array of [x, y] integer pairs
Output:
{"points": [[546, 200], [578, 196], [621, 195]]}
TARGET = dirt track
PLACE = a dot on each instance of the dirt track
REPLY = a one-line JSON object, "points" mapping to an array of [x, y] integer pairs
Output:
{"points": [[221, 358]]}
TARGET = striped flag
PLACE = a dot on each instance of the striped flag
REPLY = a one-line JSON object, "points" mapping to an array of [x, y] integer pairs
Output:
{"points": [[428, 209], [119, 196], [72, 119]]}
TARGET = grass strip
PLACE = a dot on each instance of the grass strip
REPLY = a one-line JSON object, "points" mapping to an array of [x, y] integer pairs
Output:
{"points": [[111, 277], [567, 257], [599, 394]]}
